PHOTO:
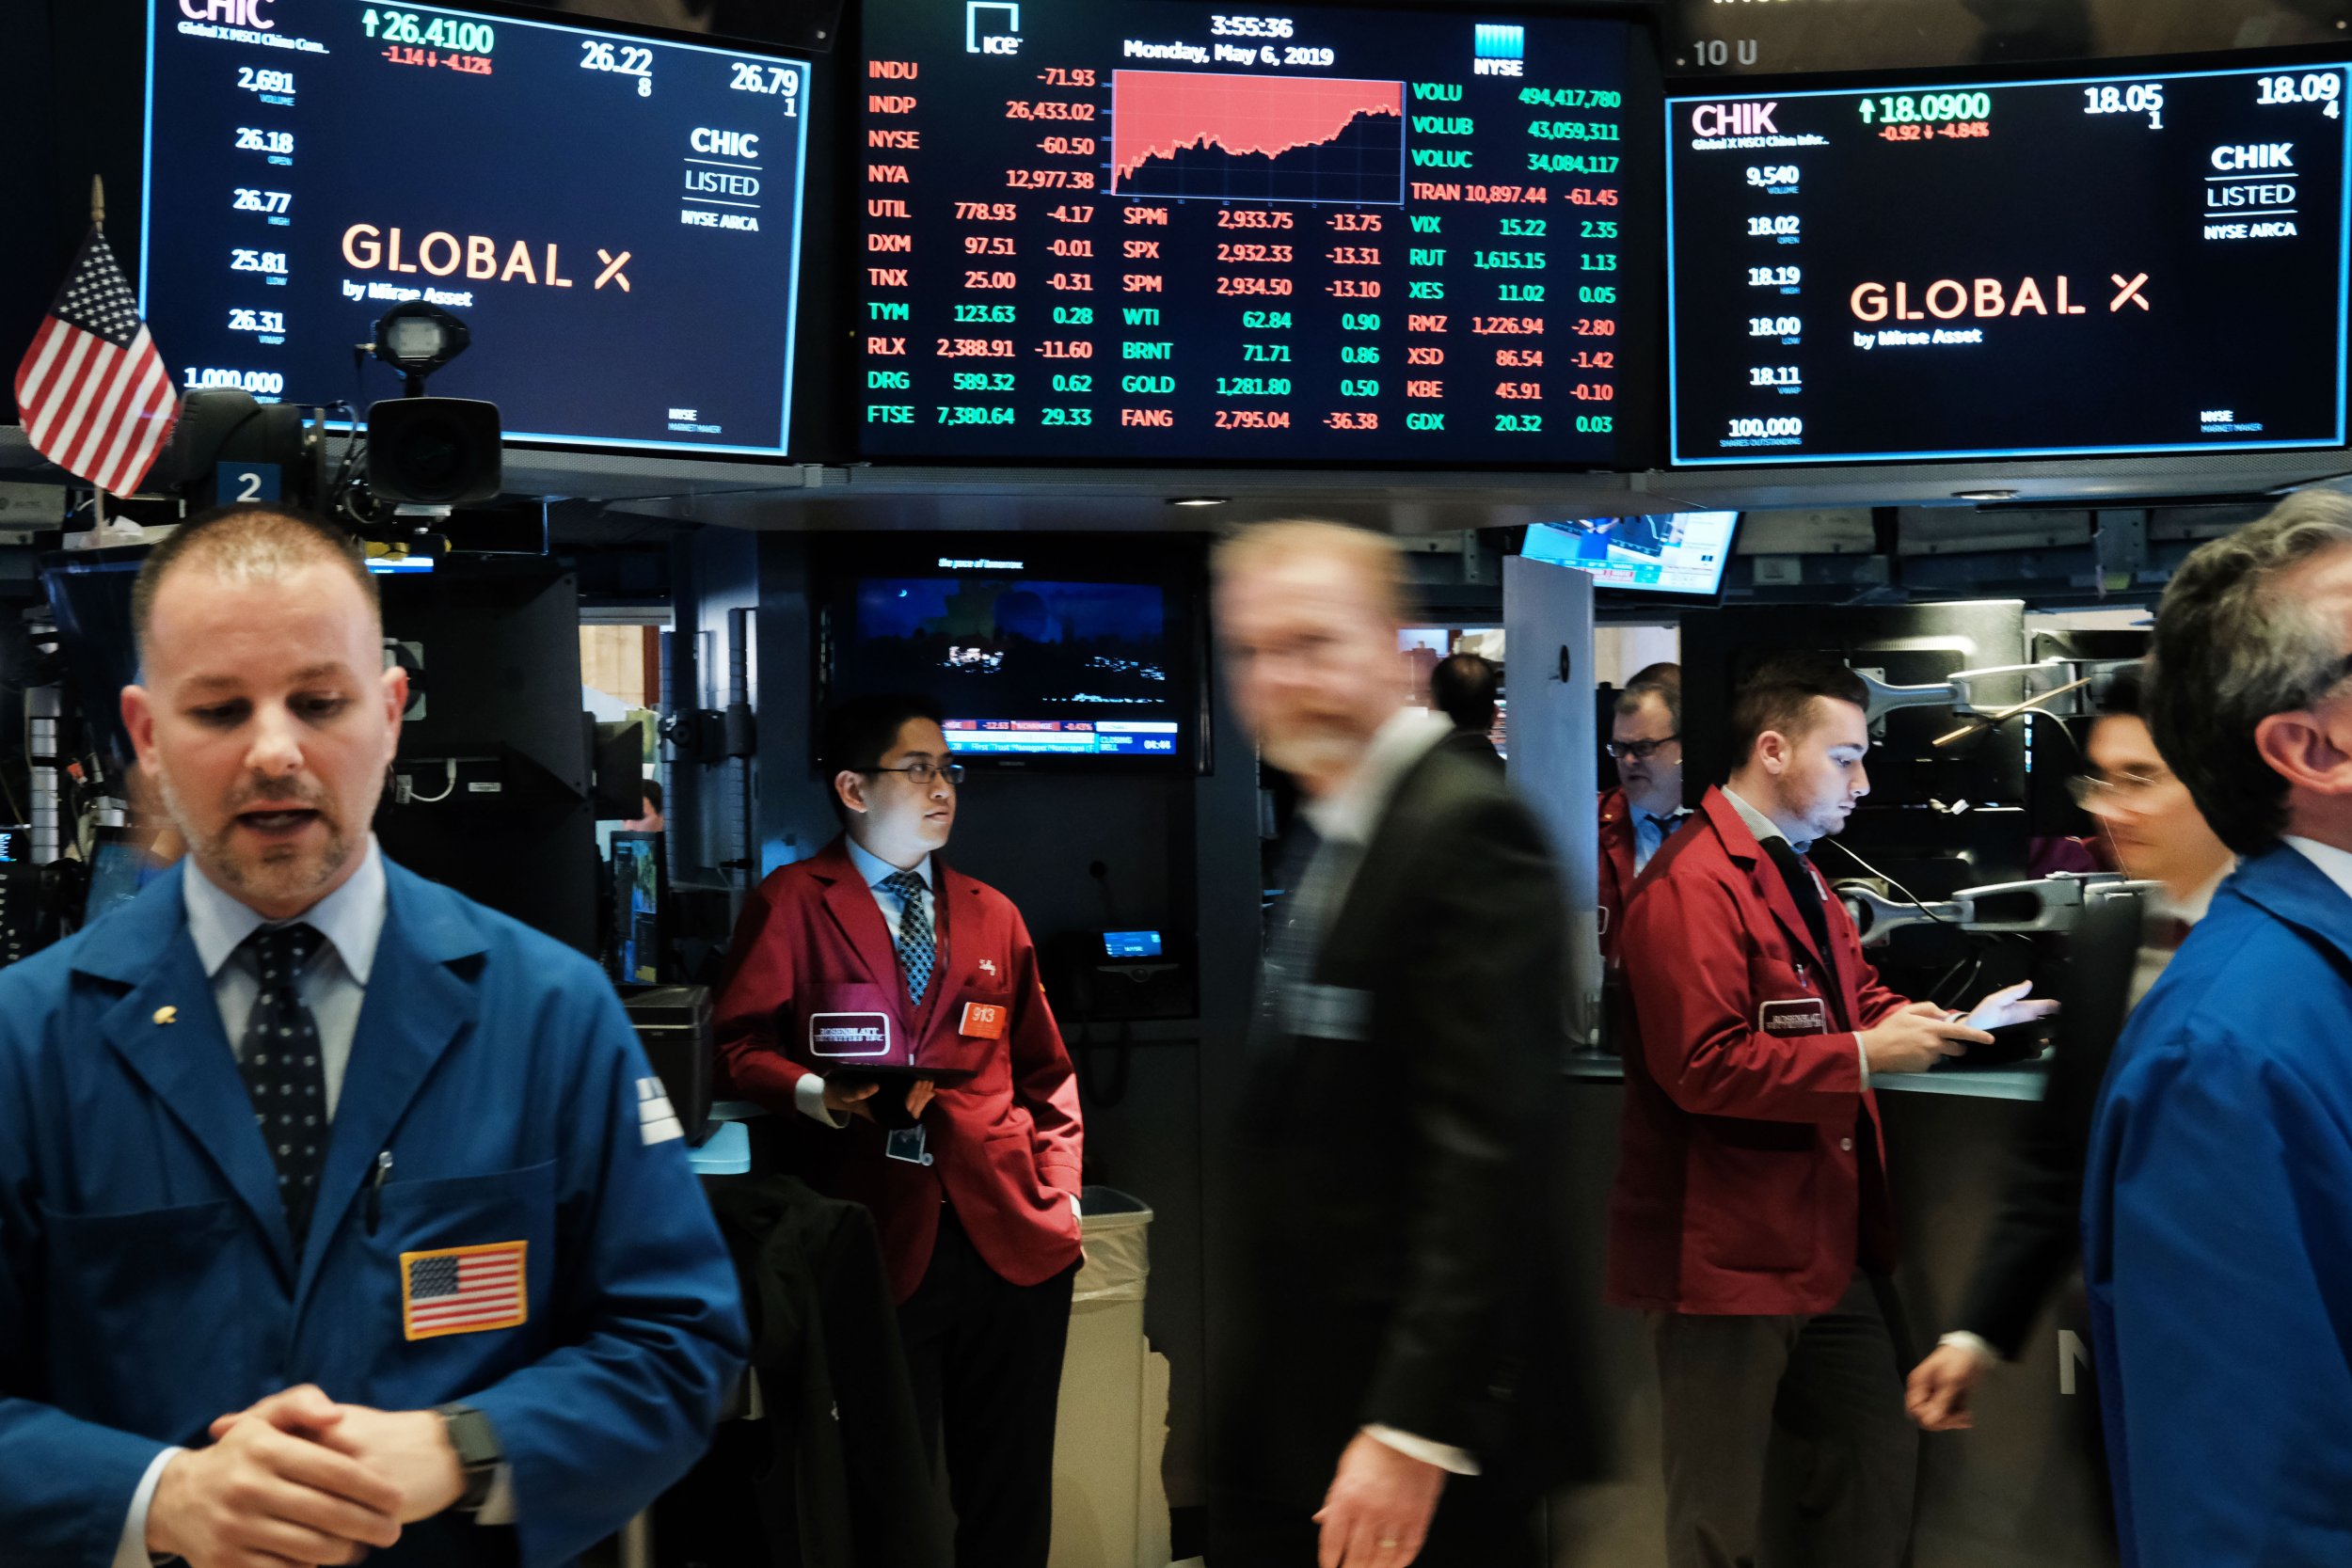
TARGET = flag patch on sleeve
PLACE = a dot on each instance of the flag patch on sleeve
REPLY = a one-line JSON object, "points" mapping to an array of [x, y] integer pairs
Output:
{"points": [[656, 1121], [466, 1290]]}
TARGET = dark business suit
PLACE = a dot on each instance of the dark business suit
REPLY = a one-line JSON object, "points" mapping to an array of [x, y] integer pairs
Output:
{"points": [[1402, 1085], [2036, 1237]]}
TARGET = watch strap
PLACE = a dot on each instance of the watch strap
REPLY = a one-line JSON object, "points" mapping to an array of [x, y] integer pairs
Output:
{"points": [[478, 1452]]}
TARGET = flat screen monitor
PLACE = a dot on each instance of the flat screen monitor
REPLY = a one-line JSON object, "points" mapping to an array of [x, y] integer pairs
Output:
{"points": [[1671, 554], [16, 844], [637, 907], [1031, 656], [2061, 265], [1110, 229], [1132, 944], [615, 218]]}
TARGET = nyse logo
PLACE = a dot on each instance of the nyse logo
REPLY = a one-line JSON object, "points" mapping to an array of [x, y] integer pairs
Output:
{"points": [[234, 13]]}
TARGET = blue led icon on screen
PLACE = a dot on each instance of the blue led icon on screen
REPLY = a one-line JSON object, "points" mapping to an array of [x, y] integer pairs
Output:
{"points": [[1497, 43]]}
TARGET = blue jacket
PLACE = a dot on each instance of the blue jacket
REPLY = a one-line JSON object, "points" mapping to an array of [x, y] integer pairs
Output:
{"points": [[148, 1285], [2217, 1237]]}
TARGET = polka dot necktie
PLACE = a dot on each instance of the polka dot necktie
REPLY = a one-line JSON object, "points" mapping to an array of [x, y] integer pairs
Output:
{"points": [[280, 1061], [916, 951]]}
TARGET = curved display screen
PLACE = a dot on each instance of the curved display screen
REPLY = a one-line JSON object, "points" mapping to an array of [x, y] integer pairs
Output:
{"points": [[2092, 265]]}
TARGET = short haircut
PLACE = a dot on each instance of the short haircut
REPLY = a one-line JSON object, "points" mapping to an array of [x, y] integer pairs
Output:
{"points": [[1664, 672], [1779, 696], [1464, 688], [652, 788], [1263, 545], [257, 540], [2235, 645], [1639, 690], [860, 731]]}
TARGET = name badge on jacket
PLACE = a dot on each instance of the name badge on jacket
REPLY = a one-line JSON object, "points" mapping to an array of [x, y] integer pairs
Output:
{"points": [[1802, 1015], [848, 1034], [983, 1021]]}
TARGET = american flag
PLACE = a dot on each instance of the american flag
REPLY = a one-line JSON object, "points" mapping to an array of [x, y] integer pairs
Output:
{"points": [[92, 391], [462, 1289]]}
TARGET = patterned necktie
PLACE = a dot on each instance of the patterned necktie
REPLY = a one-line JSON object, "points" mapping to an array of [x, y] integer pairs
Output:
{"points": [[916, 951], [280, 1063]]}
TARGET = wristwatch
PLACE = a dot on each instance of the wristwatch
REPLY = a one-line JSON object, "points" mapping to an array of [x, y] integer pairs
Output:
{"points": [[478, 1452]]}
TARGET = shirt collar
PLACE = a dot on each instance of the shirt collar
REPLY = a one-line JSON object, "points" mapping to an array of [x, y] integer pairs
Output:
{"points": [[351, 918], [876, 870], [1409, 734], [1763, 826], [2336, 864]]}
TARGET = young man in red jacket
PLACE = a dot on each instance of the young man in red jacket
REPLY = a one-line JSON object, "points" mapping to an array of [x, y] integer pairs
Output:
{"points": [[1751, 1219], [977, 1200]]}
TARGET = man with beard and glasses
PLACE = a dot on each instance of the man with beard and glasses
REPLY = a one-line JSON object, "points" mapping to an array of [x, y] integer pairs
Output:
{"points": [[340, 1216], [1391, 1401]]}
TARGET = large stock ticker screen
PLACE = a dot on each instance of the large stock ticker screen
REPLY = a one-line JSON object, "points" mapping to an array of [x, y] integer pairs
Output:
{"points": [[1150, 229], [2111, 264], [616, 220]]}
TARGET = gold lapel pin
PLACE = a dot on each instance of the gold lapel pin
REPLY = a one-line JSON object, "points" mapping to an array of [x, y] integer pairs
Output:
{"points": [[167, 1015]]}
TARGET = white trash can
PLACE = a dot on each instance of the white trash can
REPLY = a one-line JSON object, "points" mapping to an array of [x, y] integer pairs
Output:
{"points": [[1110, 1506]]}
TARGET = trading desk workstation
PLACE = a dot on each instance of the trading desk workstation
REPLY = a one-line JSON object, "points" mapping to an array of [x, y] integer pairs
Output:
{"points": [[691, 369]]}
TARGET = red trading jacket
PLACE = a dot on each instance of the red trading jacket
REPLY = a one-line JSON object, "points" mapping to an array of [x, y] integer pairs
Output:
{"points": [[1749, 1177], [1617, 872], [1004, 1146]]}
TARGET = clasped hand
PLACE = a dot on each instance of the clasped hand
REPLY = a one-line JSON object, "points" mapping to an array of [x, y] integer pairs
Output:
{"points": [[298, 1479]]}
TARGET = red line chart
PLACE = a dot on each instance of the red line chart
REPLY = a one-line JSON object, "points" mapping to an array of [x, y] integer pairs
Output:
{"points": [[1221, 136]]}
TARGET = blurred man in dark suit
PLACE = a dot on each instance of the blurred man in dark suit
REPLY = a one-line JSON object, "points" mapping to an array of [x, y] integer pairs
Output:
{"points": [[1395, 1408], [2150, 818], [1465, 688]]}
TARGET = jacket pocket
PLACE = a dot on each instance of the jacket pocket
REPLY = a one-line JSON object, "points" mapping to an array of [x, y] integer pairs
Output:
{"points": [[1751, 1205], [124, 1292], [460, 1281]]}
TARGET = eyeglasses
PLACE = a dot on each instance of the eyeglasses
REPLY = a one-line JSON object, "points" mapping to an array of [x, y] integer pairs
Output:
{"points": [[2127, 791], [1640, 750], [922, 772]]}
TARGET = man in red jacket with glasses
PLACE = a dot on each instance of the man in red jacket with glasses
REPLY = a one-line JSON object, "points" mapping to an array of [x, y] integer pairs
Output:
{"points": [[975, 1192], [1751, 1220]]}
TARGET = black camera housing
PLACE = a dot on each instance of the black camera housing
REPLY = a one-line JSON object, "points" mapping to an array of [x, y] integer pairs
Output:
{"points": [[433, 452]]}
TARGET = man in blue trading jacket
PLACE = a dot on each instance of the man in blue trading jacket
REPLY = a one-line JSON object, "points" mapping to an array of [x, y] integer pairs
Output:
{"points": [[2217, 1203], [338, 1215]]}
